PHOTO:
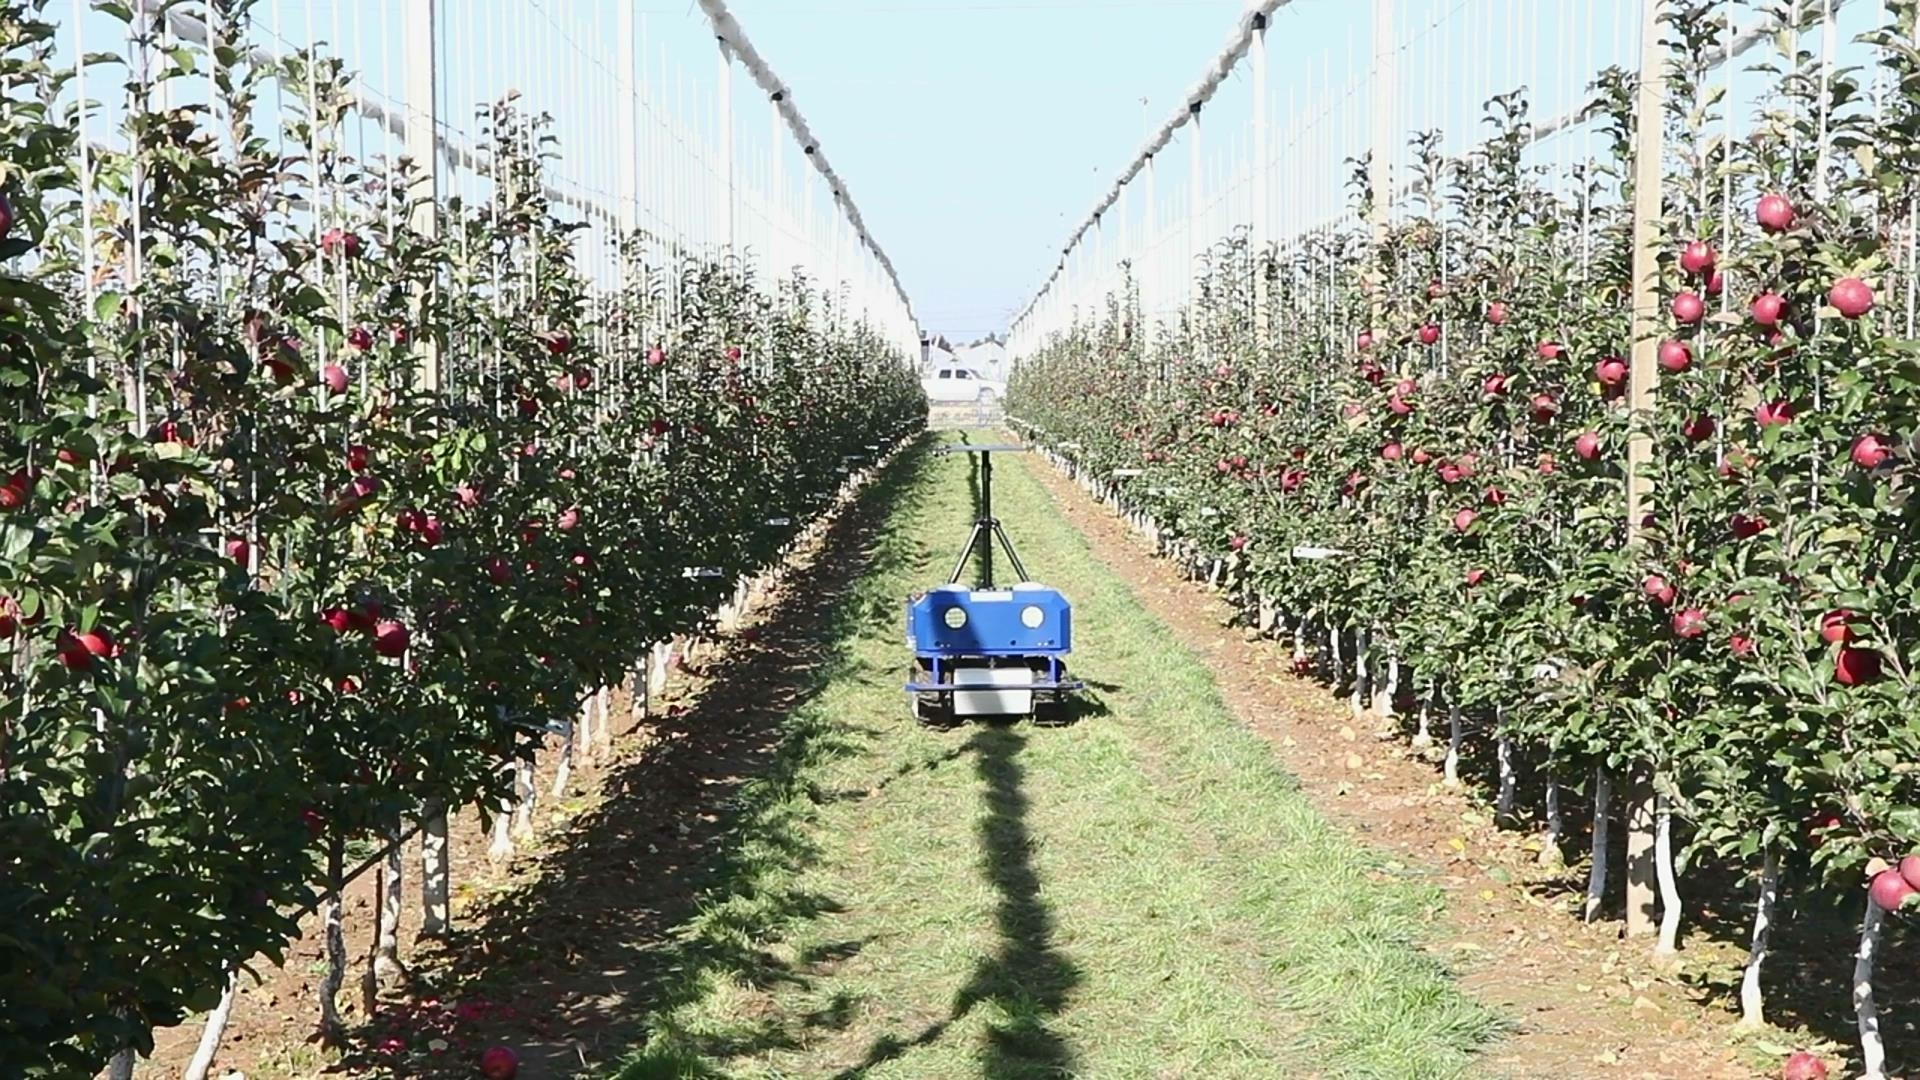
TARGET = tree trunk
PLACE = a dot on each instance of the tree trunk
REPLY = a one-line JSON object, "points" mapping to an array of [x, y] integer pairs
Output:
{"points": [[215, 1029], [565, 772], [435, 872], [1752, 1001], [1597, 873], [1503, 754], [1362, 661], [1873, 1052], [1556, 825], [1669, 887], [1450, 776], [332, 1031], [1423, 738], [392, 889]]}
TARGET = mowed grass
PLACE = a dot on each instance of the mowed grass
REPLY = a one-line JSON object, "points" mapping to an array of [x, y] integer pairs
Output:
{"points": [[1142, 894]]}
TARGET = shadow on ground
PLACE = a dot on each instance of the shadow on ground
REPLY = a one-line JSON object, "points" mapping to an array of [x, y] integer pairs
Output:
{"points": [[1027, 981], [668, 874]]}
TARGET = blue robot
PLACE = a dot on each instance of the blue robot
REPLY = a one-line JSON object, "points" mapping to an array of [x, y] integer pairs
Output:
{"points": [[989, 650]]}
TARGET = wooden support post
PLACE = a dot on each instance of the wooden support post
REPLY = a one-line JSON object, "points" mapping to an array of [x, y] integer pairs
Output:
{"points": [[1643, 382]]}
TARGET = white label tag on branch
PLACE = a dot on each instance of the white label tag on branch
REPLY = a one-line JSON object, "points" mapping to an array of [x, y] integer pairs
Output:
{"points": [[1122, 474], [778, 523], [1308, 551], [703, 572]]}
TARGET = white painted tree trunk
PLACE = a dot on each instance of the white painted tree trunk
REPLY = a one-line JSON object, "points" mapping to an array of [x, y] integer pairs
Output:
{"points": [[1300, 633], [1597, 872], [526, 793], [604, 700], [435, 873], [1423, 737], [386, 953], [1503, 756], [121, 1066], [588, 741], [1873, 1052], [1362, 661], [1384, 694], [1663, 869], [213, 1032], [564, 773], [1450, 774], [1337, 671], [1556, 825], [1752, 1001]]}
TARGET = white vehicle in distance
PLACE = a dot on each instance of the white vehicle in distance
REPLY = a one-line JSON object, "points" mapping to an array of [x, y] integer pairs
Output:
{"points": [[950, 383]]}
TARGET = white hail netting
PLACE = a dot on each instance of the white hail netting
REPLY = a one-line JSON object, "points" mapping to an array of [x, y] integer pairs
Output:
{"points": [[1238, 42], [728, 29]]}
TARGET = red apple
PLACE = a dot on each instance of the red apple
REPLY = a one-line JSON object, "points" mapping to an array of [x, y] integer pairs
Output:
{"points": [[499, 570], [1741, 645], [1545, 408], [1495, 385], [1769, 413], [1476, 576], [1746, 526], [1436, 289], [238, 549], [1586, 445], [1675, 356], [1890, 890], [6, 217], [1364, 340], [1688, 307], [1658, 589], [1392, 451], [1698, 429], [1835, 626], [1545, 463], [337, 618], [569, 519], [529, 408], [1549, 350], [1429, 334], [340, 242], [1398, 405], [358, 458], [1463, 519], [499, 1063], [656, 356], [1869, 452], [335, 377], [1910, 869], [1697, 257], [1689, 623], [1856, 666], [1611, 371], [1769, 309], [360, 339], [1803, 1065], [1774, 213], [1420, 456], [391, 638], [559, 343], [1851, 297], [1497, 313]]}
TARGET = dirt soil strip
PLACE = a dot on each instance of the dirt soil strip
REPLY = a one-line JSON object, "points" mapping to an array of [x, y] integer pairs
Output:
{"points": [[1582, 1003], [624, 848]]}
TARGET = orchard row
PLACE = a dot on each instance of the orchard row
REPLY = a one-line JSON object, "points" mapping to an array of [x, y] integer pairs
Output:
{"points": [[315, 520], [1419, 454]]}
